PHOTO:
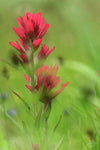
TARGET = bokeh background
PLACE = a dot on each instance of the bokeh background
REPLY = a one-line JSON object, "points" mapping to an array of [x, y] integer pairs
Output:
{"points": [[75, 32]]}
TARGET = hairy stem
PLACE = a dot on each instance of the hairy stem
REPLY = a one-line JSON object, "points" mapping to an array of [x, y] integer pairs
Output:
{"points": [[33, 81], [33, 70]]}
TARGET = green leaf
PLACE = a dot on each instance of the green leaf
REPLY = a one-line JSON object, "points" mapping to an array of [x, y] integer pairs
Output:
{"points": [[21, 99], [84, 69], [48, 110], [59, 144]]}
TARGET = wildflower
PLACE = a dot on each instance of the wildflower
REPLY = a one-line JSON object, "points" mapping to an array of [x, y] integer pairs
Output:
{"points": [[44, 52], [31, 27], [22, 49], [47, 77]]}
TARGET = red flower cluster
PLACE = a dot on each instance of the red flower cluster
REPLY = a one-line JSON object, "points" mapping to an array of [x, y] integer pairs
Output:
{"points": [[31, 27], [31, 30], [22, 49], [46, 77], [44, 52]]}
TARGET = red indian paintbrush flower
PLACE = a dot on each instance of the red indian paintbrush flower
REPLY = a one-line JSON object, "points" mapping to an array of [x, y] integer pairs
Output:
{"points": [[47, 77], [44, 52], [22, 49], [31, 27]]}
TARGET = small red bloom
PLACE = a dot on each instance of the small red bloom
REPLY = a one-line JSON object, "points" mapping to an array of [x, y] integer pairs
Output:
{"points": [[17, 46], [22, 49], [31, 27], [44, 52], [47, 77], [48, 74]]}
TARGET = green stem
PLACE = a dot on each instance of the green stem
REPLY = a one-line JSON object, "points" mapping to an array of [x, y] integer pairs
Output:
{"points": [[57, 123], [33, 70], [46, 128], [32, 81], [35, 110]]}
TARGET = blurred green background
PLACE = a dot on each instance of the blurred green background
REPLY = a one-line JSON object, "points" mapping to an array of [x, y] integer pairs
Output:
{"points": [[75, 32]]}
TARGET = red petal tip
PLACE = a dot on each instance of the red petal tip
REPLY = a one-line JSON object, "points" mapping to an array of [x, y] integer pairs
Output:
{"points": [[29, 87], [26, 77]]}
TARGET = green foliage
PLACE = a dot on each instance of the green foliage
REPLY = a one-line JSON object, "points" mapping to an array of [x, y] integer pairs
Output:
{"points": [[75, 32]]}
